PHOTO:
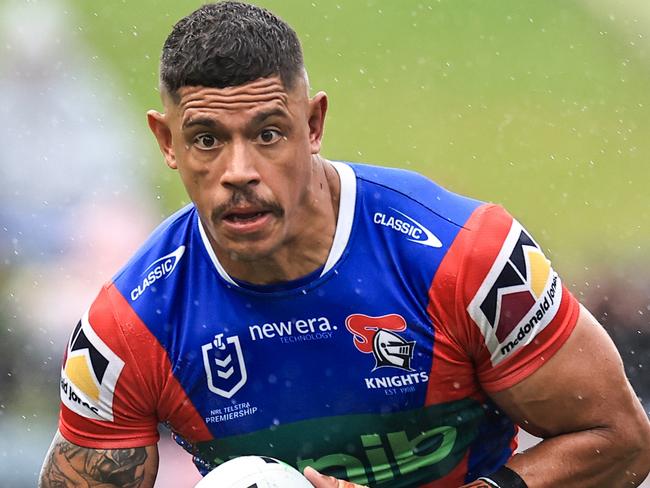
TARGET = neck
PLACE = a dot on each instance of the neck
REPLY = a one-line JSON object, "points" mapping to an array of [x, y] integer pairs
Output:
{"points": [[309, 241]]}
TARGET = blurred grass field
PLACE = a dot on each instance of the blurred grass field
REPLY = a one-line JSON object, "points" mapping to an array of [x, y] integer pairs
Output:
{"points": [[540, 106]]}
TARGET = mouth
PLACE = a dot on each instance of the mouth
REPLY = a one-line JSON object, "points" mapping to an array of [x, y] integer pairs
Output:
{"points": [[246, 220]]}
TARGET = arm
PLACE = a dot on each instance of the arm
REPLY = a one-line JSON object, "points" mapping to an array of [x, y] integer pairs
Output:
{"points": [[69, 465], [595, 431]]}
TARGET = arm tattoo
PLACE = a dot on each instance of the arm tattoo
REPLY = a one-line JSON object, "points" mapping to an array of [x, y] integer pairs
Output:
{"points": [[69, 465]]}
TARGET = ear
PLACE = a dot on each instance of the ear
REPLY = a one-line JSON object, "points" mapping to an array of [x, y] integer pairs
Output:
{"points": [[317, 111], [162, 132]]}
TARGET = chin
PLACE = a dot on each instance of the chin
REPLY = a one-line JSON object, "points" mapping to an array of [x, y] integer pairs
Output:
{"points": [[249, 252]]}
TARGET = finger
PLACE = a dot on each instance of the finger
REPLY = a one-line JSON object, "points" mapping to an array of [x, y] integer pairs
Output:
{"points": [[319, 480], [323, 481]]}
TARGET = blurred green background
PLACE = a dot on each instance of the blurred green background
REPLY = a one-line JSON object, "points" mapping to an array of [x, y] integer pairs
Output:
{"points": [[540, 106]]}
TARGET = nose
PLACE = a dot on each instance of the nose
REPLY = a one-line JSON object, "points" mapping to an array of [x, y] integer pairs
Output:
{"points": [[240, 166]]}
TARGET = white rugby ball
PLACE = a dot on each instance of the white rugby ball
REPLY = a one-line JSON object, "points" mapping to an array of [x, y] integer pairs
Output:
{"points": [[254, 472]]}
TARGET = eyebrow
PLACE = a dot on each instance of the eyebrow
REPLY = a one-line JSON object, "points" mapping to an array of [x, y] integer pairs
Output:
{"points": [[203, 121], [262, 116], [213, 124]]}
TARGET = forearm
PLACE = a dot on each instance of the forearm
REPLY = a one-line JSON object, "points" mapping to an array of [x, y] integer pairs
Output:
{"points": [[596, 431], [591, 458]]}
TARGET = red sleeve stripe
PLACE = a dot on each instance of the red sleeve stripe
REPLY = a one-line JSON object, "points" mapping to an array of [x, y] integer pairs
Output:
{"points": [[171, 402], [146, 391]]}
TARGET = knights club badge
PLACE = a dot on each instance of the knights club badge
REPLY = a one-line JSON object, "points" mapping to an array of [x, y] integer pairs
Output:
{"points": [[377, 335], [224, 365]]}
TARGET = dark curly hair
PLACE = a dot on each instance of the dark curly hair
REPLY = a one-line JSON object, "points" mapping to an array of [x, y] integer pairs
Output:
{"points": [[229, 44]]}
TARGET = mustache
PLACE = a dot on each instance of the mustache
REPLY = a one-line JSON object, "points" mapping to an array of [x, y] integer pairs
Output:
{"points": [[245, 196]]}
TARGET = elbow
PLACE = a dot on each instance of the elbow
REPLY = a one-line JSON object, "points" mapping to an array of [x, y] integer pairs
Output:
{"points": [[638, 466], [634, 447], [642, 453]]}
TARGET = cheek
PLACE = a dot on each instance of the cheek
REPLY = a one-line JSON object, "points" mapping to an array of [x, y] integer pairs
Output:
{"points": [[194, 166], [196, 179], [191, 183]]}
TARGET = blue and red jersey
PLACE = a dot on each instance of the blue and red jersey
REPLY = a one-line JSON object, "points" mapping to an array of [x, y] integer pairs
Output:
{"points": [[376, 368]]}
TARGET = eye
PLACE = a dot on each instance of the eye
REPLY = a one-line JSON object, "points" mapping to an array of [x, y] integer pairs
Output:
{"points": [[206, 141], [269, 136]]}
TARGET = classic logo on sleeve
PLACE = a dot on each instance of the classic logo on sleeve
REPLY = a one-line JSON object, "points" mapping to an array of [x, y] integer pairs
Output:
{"points": [[161, 268], [518, 298], [89, 374]]}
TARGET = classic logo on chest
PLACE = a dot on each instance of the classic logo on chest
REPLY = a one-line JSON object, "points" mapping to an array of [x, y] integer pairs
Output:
{"points": [[411, 228]]}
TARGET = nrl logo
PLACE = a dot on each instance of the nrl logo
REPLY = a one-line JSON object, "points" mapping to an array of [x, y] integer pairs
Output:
{"points": [[376, 335], [224, 365]]}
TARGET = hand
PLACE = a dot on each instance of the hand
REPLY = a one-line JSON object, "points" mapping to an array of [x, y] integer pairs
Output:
{"points": [[322, 481]]}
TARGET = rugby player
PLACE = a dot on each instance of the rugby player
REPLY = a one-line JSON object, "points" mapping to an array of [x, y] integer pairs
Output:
{"points": [[358, 320]]}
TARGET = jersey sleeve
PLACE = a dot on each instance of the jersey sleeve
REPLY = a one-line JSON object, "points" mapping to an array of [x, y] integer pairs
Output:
{"points": [[509, 311], [108, 396]]}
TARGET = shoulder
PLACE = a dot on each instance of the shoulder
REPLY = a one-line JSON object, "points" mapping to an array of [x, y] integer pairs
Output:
{"points": [[159, 256], [117, 361], [113, 351], [407, 202], [415, 190], [507, 303]]}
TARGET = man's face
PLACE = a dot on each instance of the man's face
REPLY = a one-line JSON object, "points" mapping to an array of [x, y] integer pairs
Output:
{"points": [[245, 157]]}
